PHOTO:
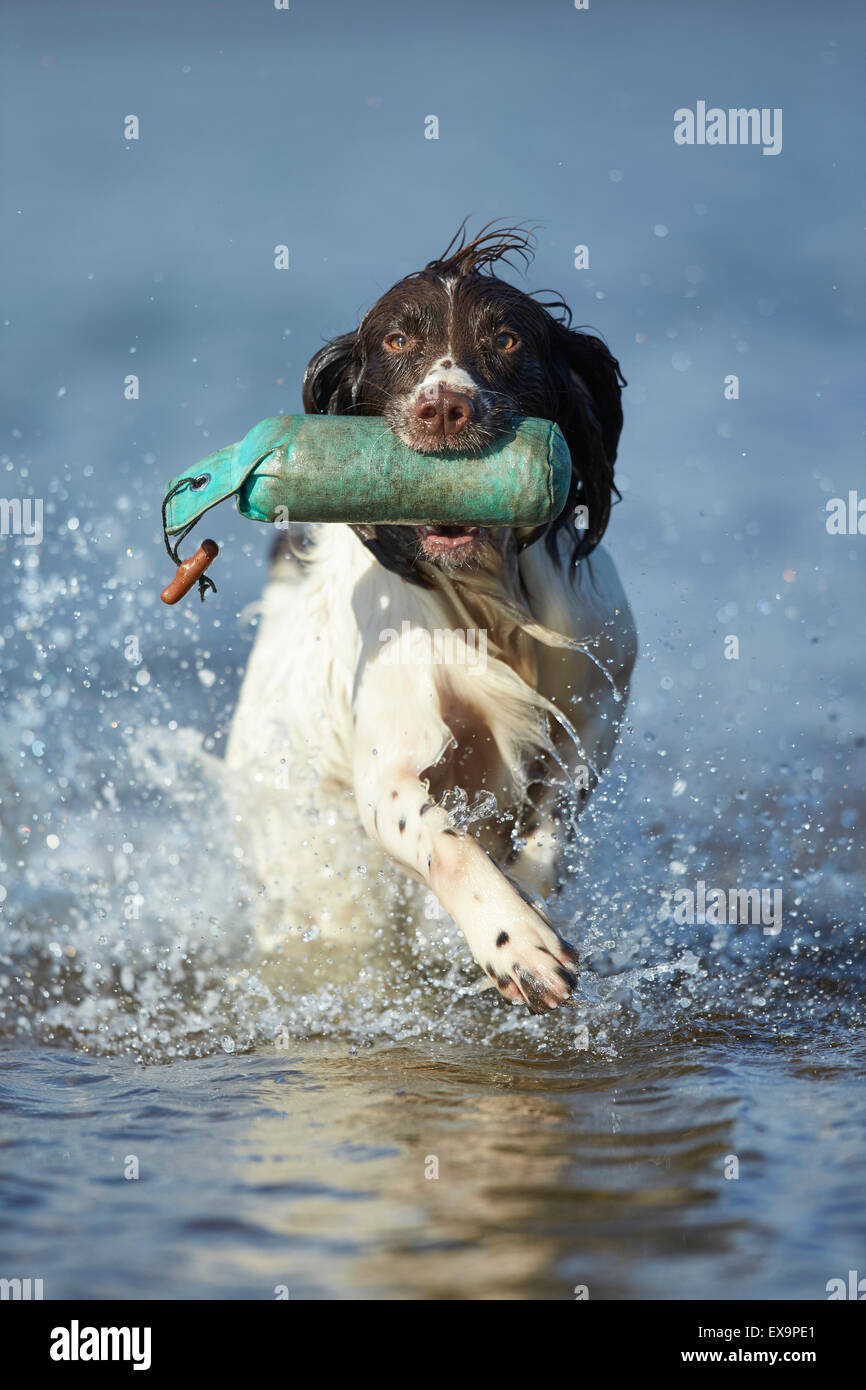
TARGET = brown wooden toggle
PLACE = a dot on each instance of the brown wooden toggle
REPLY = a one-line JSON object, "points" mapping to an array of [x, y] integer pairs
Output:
{"points": [[188, 571]]}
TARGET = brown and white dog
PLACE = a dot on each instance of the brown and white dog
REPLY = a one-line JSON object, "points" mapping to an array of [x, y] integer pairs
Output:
{"points": [[399, 671]]}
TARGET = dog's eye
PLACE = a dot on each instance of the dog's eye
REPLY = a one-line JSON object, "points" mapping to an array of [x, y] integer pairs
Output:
{"points": [[396, 342], [506, 342]]}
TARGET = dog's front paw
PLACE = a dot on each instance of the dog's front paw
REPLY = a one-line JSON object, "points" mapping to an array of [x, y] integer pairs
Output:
{"points": [[530, 963]]}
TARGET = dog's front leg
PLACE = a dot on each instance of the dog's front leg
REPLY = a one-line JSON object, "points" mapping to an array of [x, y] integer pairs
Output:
{"points": [[511, 941]]}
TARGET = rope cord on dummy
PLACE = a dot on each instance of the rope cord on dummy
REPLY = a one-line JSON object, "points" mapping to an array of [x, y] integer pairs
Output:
{"points": [[193, 570]]}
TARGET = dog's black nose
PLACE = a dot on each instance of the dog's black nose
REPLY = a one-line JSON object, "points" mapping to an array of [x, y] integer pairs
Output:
{"points": [[443, 412]]}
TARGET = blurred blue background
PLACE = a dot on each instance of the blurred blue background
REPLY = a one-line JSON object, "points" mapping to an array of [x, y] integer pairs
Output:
{"points": [[305, 127], [155, 256]]}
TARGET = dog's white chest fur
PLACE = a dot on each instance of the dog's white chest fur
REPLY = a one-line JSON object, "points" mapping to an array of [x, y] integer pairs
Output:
{"points": [[367, 698]]}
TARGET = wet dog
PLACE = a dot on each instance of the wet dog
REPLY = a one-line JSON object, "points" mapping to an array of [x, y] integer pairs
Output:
{"points": [[450, 693]]}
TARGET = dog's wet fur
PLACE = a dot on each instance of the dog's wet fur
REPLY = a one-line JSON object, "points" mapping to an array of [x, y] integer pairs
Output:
{"points": [[373, 742], [454, 345]]}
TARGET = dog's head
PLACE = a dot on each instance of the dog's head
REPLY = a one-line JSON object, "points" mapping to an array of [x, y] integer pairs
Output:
{"points": [[448, 357]]}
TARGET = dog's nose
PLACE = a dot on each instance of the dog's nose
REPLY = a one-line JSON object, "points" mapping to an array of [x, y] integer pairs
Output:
{"points": [[444, 413]]}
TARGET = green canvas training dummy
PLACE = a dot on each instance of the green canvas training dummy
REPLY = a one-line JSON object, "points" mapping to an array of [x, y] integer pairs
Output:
{"points": [[342, 468]]}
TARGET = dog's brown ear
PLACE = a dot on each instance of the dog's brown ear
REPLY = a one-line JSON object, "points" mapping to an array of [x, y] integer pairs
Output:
{"points": [[591, 360], [332, 378], [588, 409]]}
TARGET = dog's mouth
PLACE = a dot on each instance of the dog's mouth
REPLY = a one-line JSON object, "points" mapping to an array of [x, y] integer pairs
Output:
{"points": [[453, 543]]}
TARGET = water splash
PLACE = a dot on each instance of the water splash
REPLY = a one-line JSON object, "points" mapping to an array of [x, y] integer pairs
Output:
{"points": [[128, 925]]}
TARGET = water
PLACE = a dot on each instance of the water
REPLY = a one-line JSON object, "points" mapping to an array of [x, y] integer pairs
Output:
{"points": [[551, 1175], [283, 1123]]}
